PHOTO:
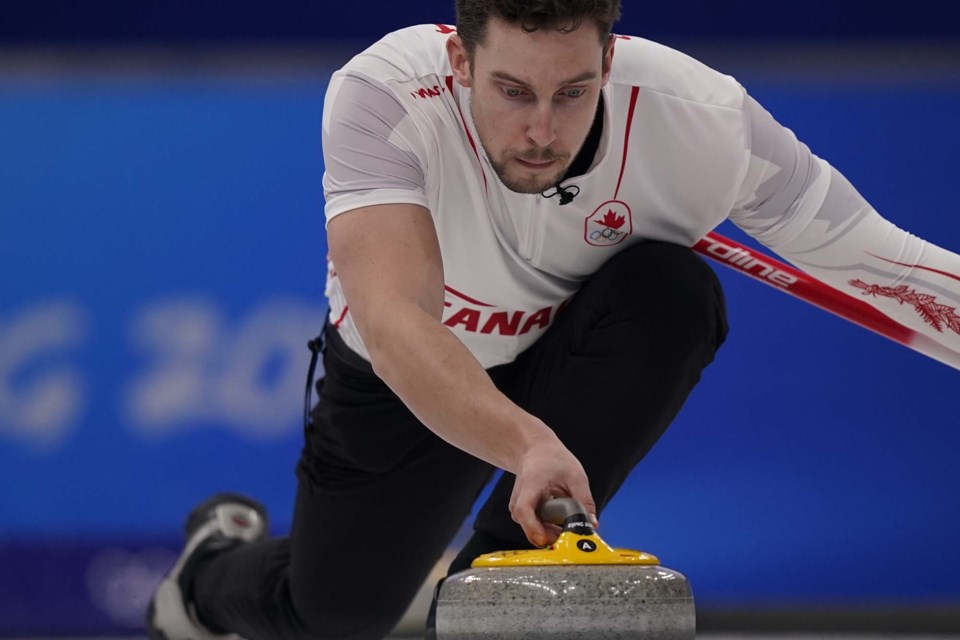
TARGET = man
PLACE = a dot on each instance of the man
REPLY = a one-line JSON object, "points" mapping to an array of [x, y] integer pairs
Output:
{"points": [[510, 209]]}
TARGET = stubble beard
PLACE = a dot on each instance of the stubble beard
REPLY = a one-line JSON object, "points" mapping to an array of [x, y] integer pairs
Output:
{"points": [[519, 184], [529, 185]]}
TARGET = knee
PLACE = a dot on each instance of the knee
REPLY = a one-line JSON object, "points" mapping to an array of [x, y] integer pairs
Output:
{"points": [[667, 290]]}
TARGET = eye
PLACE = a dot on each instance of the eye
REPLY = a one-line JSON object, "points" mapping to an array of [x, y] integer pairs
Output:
{"points": [[574, 92], [512, 92]]}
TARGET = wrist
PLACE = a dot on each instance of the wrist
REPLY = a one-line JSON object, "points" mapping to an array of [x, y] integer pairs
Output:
{"points": [[535, 437]]}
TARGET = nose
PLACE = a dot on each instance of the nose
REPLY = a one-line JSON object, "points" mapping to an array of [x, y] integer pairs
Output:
{"points": [[542, 128]]}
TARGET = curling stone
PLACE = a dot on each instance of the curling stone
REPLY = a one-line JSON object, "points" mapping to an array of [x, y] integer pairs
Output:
{"points": [[578, 588]]}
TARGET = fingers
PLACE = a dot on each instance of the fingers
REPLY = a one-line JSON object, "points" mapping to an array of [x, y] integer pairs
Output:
{"points": [[580, 491], [591, 507], [524, 509], [548, 470], [532, 527], [553, 532]]}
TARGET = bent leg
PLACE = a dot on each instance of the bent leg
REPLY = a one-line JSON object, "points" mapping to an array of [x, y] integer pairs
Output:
{"points": [[379, 498], [613, 371]]}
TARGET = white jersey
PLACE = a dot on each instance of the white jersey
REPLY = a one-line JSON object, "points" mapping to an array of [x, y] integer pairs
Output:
{"points": [[683, 148]]}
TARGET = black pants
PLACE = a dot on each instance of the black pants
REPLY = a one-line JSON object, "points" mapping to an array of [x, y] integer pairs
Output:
{"points": [[380, 496]]}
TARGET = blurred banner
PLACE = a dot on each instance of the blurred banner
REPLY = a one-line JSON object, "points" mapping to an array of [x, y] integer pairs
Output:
{"points": [[321, 21], [163, 257], [163, 252]]}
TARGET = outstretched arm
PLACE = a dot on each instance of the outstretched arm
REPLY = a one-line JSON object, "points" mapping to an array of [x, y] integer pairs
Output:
{"points": [[799, 206]]}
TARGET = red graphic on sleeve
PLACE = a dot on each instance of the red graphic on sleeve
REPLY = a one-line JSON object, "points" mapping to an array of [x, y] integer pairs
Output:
{"points": [[428, 92], [933, 313], [916, 266]]}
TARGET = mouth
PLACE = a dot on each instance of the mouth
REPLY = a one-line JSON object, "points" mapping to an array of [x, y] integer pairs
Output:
{"points": [[535, 165]]}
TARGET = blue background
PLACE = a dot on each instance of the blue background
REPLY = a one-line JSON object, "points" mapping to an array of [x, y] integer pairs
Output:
{"points": [[161, 230], [188, 21]]}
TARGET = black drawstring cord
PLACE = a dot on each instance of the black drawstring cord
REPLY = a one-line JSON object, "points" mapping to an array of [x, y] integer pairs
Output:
{"points": [[316, 347]]}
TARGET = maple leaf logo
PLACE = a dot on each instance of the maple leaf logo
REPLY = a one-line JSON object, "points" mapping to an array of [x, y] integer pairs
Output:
{"points": [[612, 220]]}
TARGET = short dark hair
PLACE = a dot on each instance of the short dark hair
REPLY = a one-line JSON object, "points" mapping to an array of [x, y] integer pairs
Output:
{"points": [[563, 15]]}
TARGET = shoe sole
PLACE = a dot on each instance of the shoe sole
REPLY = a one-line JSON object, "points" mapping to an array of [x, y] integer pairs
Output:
{"points": [[152, 632], [196, 519]]}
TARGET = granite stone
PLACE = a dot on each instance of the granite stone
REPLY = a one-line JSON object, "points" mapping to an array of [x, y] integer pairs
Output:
{"points": [[566, 602]]}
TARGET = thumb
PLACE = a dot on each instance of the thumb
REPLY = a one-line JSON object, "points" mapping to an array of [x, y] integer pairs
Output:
{"points": [[533, 528], [524, 512]]}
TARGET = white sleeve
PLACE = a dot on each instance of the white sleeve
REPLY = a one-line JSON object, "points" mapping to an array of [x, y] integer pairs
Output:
{"points": [[369, 148], [806, 211]]}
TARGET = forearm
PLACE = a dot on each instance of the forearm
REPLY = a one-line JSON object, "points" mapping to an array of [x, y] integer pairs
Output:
{"points": [[809, 213], [449, 391], [840, 239]]}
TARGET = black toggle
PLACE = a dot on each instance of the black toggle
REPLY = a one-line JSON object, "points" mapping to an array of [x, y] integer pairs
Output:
{"points": [[567, 194]]}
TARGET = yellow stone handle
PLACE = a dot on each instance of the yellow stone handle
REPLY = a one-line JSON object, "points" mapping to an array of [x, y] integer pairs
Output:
{"points": [[577, 544]]}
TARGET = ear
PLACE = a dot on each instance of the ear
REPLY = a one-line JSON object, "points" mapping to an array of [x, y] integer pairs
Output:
{"points": [[607, 60], [459, 60]]}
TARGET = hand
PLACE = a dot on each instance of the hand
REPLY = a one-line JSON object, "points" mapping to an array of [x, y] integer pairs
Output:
{"points": [[548, 470]]}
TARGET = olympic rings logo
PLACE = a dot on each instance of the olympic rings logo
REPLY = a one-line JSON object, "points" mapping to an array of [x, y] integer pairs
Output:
{"points": [[606, 234], [608, 225]]}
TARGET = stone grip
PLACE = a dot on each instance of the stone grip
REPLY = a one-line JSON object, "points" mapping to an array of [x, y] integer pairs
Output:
{"points": [[557, 510]]}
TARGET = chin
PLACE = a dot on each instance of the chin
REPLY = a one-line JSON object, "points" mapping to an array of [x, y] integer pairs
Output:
{"points": [[527, 187], [520, 184]]}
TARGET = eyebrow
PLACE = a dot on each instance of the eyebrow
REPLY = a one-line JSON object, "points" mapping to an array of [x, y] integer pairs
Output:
{"points": [[503, 75]]}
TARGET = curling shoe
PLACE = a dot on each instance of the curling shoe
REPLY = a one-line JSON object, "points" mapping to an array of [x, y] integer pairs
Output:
{"points": [[220, 523]]}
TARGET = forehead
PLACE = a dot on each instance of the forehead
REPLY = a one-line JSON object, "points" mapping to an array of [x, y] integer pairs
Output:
{"points": [[507, 47]]}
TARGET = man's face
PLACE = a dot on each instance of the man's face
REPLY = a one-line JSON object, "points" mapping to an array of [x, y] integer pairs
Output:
{"points": [[534, 96]]}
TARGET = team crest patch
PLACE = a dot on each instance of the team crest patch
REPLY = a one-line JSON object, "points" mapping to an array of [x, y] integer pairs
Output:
{"points": [[609, 224]]}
